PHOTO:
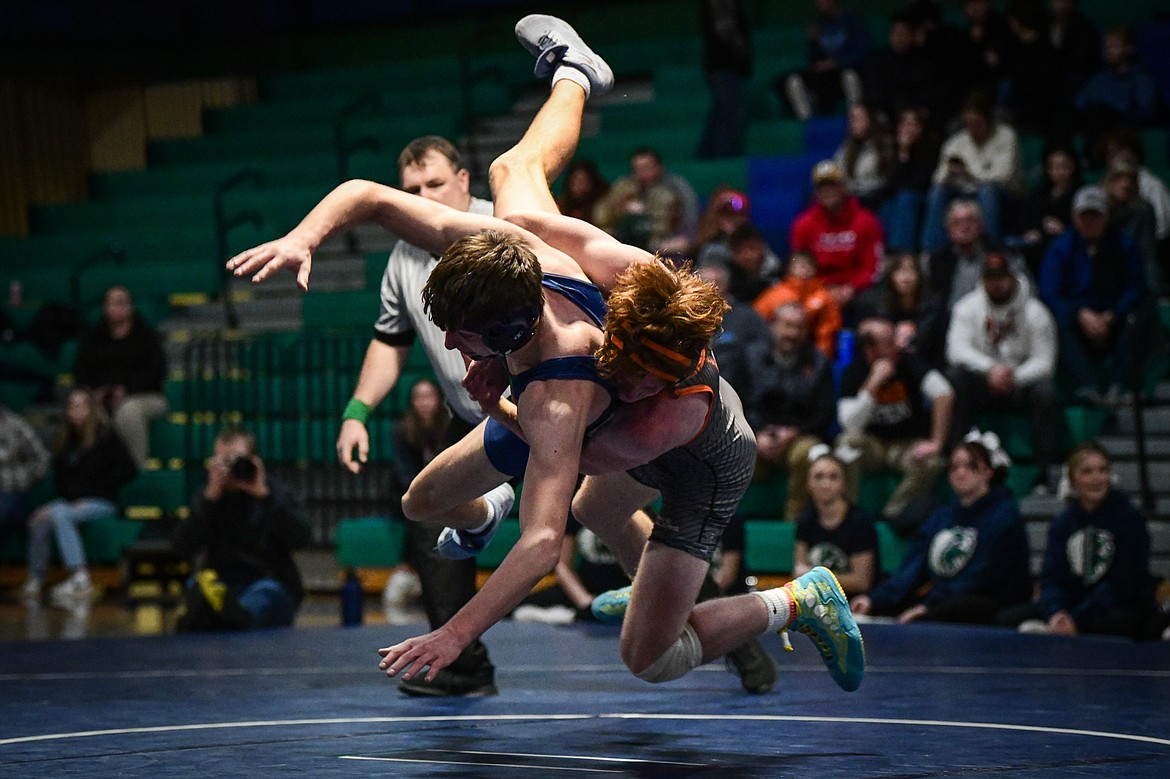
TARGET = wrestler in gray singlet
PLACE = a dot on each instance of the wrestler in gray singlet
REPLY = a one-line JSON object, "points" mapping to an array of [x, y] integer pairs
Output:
{"points": [[703, 481]]}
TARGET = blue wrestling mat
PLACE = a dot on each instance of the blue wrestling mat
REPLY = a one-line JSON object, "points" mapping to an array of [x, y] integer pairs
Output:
{"points": [[936, 701]]}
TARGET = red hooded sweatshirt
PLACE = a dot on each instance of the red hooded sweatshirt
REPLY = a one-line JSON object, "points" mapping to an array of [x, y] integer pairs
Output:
{"points": [[846, 245]]}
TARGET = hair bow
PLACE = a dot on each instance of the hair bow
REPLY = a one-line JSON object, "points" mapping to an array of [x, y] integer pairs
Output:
{"points": [[990, 441], [818, 451]]}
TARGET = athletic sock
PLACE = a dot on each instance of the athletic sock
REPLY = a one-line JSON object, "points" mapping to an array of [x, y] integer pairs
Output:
{"points": [[574, 75], [781, 608], [491, 513]]}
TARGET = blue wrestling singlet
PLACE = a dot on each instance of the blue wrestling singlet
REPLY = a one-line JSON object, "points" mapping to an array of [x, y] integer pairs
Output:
{"points": [[506, 451]]}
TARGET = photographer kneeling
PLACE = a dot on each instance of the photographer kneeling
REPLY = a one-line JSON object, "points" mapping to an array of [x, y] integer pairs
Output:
{"points": [[245, 525]]}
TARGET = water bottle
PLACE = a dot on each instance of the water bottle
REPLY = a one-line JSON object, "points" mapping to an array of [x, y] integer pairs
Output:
{"points": [[352, 599]]}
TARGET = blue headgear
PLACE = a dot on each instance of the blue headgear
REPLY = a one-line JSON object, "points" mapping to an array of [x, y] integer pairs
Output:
{"points": [[511, 333]]}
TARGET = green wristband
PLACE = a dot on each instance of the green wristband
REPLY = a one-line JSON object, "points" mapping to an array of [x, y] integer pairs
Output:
{"points": [[355, 409]]}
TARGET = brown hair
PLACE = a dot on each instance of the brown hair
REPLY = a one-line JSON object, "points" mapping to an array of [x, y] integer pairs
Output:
{"points": [[68, 438], [659, 314], [1082, 450], [981, 454], [426, 435], [481, 279], [419, 147]]}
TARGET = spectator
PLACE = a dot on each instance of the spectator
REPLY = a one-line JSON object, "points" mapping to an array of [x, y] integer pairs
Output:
{"points": [[1046, 211], [838, 44], [727, 571], [1096, 573], [1031, 90], [833, 532], [1093, 281], [843, 236], [23, 461], [753, 265], [1129, 211], [642, 208], [584, 187], [866, 156], [688, 214], [903, 298], [90, 464], [801, 285], [973, 552], [742, 326], [895, 412], [244, 525], [1001, 353], [1121, 93], [726, 210], [121, 362], [787, 394], [899, 76], [418, 435], [949, 57], [1125, 144], [912, 166], [980, 161], [983, 46], [1077, 44], [957, 268], [727, 66]]}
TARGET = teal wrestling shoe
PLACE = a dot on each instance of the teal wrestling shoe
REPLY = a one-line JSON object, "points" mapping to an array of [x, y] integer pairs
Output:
{"points": [[610, 607], [822, 614]]}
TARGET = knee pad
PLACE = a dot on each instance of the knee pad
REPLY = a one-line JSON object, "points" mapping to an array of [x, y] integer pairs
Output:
{"points": [[678, 660]]}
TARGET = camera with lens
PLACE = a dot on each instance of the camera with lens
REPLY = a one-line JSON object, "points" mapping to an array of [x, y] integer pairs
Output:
{"points": [[242, 468]]}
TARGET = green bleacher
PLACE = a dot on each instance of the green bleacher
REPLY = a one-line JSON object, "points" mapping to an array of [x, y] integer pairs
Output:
{"points": [[161, 220]]}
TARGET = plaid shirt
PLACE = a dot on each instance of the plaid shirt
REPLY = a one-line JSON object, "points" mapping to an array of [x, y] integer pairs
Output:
{"points": [[23, 458]]}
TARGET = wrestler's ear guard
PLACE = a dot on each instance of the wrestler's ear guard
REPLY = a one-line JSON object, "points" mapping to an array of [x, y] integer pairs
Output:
{"points": [[509, 334]]}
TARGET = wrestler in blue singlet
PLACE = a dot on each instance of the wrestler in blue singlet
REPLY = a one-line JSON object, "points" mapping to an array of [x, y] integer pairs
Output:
{"points": [[506, 451]]}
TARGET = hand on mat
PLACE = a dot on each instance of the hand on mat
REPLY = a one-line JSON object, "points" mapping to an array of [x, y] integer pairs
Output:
{"points": [[267, 258], [436, 649]]}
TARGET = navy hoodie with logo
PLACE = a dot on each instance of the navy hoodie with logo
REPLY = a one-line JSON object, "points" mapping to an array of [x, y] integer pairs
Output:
{"points": [[981, 549], [1097, 559]]}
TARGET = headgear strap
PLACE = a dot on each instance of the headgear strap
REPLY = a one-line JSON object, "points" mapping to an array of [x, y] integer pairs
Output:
{"points": [[688, 366]]}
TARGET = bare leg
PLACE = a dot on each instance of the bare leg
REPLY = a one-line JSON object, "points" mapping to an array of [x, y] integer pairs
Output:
{"points": [[449, 489], [611, 506], [520, 177]]}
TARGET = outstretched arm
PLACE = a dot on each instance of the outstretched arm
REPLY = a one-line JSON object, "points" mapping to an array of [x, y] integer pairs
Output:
{"points": [[601, 256], [417, 220], [557, 428]]}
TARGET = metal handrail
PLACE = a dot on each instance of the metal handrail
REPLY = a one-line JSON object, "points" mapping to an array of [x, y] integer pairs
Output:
{"points": [[223, 226], [344, 149]]}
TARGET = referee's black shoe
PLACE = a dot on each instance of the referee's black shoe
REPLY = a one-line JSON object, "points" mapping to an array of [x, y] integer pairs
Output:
{"points": [[450, 684], [754, 666]]}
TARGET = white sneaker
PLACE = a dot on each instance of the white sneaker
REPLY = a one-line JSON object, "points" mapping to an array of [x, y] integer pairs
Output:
{"points": [[31, 589], [554, 42], [1036, 627], [545, 615], [404, 615], [402, 587], [76, 587], [457, 544]]}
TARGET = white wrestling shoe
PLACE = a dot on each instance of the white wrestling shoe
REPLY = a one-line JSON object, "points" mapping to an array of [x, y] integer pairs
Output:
{"points": [[554, 42], [457, 544]]}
